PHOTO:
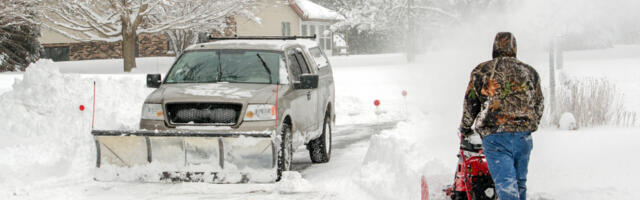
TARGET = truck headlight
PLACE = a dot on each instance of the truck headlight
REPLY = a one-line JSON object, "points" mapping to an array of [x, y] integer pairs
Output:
{"points": [[152, 112], [258, 112]]}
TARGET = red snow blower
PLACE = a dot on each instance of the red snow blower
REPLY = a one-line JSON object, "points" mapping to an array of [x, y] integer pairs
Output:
{"points": [[473, 180]]}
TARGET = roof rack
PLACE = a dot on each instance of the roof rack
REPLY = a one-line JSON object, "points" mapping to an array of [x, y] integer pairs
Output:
{"points": [[263, 37]]}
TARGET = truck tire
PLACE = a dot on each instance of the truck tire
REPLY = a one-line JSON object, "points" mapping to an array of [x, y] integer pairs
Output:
{"points": [[285, 152], [320, 148]]}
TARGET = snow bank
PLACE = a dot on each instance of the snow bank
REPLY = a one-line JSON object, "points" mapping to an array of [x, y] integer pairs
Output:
{"points": [[397, 159], [591, 163], [114, 66], [7, 80], [45, 135]]}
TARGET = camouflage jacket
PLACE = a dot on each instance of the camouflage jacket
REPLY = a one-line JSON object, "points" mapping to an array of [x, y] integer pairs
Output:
{"points": [[504, 94]]}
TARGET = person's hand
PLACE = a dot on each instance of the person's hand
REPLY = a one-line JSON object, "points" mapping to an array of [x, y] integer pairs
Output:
{"points": [[466, 132]]}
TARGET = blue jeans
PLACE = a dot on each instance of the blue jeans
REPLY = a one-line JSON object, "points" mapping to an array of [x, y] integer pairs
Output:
{"points": [[508, 159]]}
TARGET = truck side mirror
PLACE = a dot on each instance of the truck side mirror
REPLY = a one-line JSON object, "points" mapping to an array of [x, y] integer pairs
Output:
{"points": [[307, 81], [154, 80]]}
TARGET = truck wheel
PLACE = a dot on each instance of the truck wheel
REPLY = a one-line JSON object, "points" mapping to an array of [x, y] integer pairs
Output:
{"points": [[285, 153], [320, 148]]}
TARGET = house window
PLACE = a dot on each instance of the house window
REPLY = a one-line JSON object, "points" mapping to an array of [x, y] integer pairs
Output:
{"points": [[56, 53], [325, 38], [324, 41], [327, 44], [312, 30], [321, 43], [203, 37], [320, 31], [286, 29], [304, 30]]}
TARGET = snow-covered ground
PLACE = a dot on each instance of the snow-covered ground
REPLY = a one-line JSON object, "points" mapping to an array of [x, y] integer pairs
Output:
{"points": [[47, 150]]}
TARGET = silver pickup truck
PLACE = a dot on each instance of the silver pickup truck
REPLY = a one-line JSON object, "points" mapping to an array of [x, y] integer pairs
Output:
{"points": [[236, 106]]}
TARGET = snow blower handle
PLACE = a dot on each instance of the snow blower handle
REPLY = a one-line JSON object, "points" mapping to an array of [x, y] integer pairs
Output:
{"points": [[464, 160], [464, 165], [467, 143]]}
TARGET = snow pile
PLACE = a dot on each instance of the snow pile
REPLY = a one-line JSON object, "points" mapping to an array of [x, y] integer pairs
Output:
{"points": [[44, 133], [114, 66], [292, 182], [38, 136], [7, 80], [567, 122], [398, 158]]}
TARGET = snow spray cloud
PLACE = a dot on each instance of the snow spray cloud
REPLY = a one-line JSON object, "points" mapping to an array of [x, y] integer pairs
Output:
{"points": [[580, 24]]}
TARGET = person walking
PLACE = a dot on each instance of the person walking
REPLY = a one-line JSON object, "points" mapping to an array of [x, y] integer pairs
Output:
{"points": [[504, 103]]}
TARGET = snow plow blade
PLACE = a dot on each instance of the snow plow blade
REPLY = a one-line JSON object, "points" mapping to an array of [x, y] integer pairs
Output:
{"points": [[185, 156]]}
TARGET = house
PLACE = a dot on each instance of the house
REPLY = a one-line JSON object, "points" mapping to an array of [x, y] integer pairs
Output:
{"points": [[273, 18], [291, 17]]}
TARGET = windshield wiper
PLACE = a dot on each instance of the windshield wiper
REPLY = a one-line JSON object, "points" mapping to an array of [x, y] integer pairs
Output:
{"points": [[264, 64]]}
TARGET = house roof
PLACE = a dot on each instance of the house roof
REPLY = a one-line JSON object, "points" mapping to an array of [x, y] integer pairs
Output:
{"points": [[309, 11]]}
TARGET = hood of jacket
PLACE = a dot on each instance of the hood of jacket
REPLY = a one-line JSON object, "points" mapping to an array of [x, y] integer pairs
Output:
{"points": [[504, 45]]}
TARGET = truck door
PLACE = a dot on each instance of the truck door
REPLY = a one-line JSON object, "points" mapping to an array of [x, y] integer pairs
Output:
{"points": [[325, 84], [304, 106]]}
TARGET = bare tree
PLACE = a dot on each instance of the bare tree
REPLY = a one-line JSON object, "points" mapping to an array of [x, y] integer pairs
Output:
{"points": [[19, 32], [123, 20], [398, 21], [222, 15]]}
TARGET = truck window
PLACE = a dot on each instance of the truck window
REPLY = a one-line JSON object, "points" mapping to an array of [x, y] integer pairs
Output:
{"points": [[226, 65], [318, 57], [294, 66], [297, 64], [303, 63]]}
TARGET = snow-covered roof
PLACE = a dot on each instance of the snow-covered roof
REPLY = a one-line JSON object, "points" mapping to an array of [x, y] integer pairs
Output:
{"points": [[275, 45], [312, 11]]}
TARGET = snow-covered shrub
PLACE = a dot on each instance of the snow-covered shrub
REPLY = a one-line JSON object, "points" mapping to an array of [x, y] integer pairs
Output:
{"points": [[567, 122], [593, 102]]}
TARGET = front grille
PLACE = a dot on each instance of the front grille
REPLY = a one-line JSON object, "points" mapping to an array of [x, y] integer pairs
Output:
{"points": [[203, 113]]}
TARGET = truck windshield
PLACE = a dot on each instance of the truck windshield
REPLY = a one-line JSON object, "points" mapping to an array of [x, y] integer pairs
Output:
{"points": [[234, 66]]}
